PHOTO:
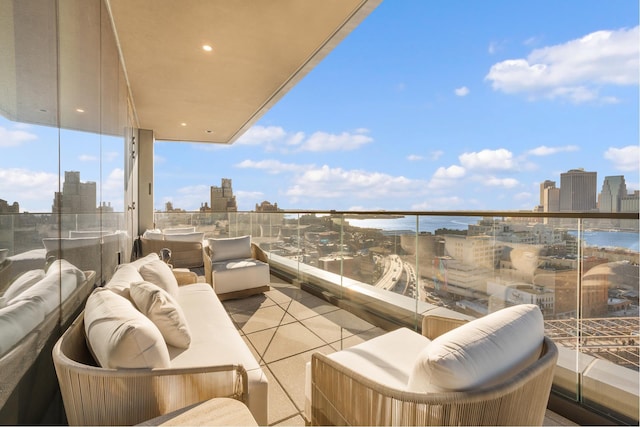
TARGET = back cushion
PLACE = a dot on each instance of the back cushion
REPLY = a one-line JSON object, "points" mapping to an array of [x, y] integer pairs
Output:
{"points": [[160, 274], [121, 281], [178, 230], [231, 248], [153, 235], [17, 320], [119, 336], [185, 237], [22, 283], [481, 352], [60, 280]]}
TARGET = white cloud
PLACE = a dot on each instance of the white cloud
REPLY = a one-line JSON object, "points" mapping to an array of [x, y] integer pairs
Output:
{"points": [[258, 135], [523, 196], [188, 198], [87, 158], [414, 157], [439, 203], [543, 150], [625, 158], [492, 181], [445, 177], [113, 189], [462, 91], [323, 141], [272, 166], [575, 70], [326, 182], [500, 159], [33, 190], [14, 138], [435, 155]]}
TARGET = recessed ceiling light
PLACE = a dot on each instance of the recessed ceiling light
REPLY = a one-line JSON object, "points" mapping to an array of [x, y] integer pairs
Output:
{"points": [[208, 131], [183, 124], [207, 48], [79, 110]]}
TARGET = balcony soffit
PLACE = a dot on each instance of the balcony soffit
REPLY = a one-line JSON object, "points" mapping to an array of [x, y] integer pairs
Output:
{"points": [[260, 50]]}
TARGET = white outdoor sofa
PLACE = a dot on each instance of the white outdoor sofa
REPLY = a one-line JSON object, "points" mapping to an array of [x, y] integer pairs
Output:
{"points": [[189, 354]]}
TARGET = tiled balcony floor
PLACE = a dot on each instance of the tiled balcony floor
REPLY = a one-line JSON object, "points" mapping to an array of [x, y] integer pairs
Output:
{"points": [[283, 327]]}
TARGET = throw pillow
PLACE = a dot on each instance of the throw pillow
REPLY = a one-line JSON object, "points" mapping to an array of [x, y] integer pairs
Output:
{"points": [[119, 336], [480, 353], [231, 248], [160, 274], [163, 310]]}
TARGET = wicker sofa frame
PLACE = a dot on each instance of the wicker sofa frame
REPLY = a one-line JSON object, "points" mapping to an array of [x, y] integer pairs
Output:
{"points": [[341, 396]]}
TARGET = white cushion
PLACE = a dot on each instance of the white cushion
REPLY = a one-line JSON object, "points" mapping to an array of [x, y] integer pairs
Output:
{"points": [[481, 352], [119, 336], [22, 283], [163, 310], [185, 237], [124, 276], [17, 320], [236, 275], [60, 280], [153, 235], [231, 248], [144, 260], [178, 230], [160, 274], [55, 244]]}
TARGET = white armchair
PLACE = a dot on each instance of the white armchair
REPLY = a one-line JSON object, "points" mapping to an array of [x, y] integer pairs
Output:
{"points": [[496, 370]]}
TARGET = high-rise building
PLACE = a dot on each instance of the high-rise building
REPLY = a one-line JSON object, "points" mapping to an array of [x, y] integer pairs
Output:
{"points": [[222, 198], [76, 197], [578, 191], [614, 189], [543, 186]]}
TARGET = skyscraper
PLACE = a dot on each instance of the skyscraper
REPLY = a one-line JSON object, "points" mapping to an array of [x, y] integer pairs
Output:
{"points": [[614, 188], [222, 198], [578, 191], [76, 197]]}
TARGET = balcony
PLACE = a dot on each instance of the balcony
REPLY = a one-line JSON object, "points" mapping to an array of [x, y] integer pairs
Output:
{"points": [[339, 278]]}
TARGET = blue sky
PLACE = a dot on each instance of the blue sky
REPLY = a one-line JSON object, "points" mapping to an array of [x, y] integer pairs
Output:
{"points": [[427, 105]]}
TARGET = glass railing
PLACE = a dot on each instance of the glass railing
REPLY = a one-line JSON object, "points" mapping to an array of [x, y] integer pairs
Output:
{"points": [[396, 267]]}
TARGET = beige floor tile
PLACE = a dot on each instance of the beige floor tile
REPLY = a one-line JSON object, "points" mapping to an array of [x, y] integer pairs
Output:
{"points": [[326, 329], [280, 405], [352, 340], [278, 297], [253, 350], [293, 421], [249, 304], [284, 341], [291, 373], [264, 318], [309, 306], [348, 321]]}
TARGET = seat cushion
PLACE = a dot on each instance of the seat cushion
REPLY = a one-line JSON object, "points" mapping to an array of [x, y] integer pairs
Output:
{"points": [[481, 352], [230, 248], [239, 274], [119, 336], [163, 310]]}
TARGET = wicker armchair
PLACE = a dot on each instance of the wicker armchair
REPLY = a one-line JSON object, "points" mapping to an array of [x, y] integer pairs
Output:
{"points": [[341, 396]]}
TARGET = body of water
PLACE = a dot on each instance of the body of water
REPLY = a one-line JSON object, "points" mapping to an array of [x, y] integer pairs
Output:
{"points": [[609, 239]]}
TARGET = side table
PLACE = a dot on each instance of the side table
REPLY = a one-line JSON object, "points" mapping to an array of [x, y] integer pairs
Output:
{"points": [[219, 411]]}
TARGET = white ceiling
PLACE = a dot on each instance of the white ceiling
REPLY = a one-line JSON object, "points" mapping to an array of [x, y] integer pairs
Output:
{"points": [[260, 50]]}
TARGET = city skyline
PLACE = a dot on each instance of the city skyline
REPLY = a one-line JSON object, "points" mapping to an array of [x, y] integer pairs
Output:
{"points": [[424, 106]]}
